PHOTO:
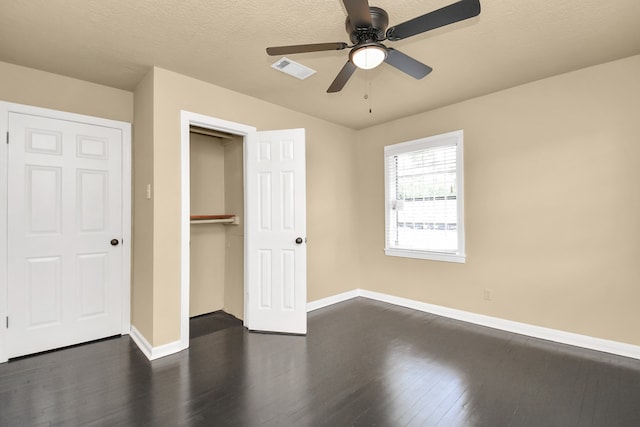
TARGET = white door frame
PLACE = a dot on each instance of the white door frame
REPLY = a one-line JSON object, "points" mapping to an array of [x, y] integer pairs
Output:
{"points": [[188, 118], [125, 128]]}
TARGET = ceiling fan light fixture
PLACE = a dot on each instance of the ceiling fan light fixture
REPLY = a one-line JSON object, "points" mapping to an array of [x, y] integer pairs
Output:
{"points": [[368, 56]]}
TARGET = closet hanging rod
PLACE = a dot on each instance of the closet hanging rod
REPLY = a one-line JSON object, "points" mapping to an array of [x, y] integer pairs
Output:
{"points": [[215, 219]]}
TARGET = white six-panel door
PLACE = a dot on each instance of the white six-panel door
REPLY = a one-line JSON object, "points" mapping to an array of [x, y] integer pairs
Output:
{"points": [[276, 221], [65, 208]]}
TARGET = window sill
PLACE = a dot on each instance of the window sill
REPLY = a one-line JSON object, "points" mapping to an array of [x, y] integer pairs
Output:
{"points": [[433, 256]]}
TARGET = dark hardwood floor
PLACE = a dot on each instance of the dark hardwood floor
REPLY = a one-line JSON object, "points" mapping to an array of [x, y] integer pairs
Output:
{"points": [[212, 323], [363, 363]]}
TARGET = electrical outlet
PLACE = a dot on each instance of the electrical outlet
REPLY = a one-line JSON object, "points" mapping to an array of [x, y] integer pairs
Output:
{"points": [[488, 294]]}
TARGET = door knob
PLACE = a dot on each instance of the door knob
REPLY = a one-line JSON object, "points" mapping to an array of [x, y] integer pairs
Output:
{"points": [[114, 242], [299, 240]]}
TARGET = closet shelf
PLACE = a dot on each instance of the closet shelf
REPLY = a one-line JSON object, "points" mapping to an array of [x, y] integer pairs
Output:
{"points": [[215, 219]]}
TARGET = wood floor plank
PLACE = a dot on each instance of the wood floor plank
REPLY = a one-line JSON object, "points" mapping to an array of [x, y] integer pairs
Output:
{"points": [[362, 363]]}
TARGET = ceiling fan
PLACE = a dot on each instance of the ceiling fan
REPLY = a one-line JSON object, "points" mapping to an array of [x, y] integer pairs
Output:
{"points": [[367, 29]]}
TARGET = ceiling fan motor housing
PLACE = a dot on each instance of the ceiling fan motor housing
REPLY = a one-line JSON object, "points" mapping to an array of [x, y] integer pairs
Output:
{"points": [[379, 23]]}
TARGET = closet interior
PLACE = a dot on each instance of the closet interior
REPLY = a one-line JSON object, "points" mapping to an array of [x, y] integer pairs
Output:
{"points": [[217, 231]]}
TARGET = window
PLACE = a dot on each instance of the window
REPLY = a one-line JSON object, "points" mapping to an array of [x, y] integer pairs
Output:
{"points": [[424, 209]]}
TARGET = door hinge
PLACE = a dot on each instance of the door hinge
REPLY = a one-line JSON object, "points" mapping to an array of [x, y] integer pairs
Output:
{"points": [[7, 137], [7, 322]]}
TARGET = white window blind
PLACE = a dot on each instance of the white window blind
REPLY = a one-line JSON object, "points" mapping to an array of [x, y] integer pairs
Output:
{"points": [[424, 214]]}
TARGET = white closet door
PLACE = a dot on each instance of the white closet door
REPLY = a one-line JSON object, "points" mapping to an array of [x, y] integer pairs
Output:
{"points": [[65, 208], [276, 264]]}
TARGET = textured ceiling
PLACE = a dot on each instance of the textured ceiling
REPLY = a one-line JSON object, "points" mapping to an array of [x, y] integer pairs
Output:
{"points": [[512, 42]]}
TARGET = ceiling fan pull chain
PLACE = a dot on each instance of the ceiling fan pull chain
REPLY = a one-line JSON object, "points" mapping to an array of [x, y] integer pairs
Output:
{"points": [[367, 90]]}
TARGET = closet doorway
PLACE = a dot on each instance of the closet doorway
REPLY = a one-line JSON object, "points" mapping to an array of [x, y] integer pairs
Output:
{"points": [[261, 228], [217, 212]]}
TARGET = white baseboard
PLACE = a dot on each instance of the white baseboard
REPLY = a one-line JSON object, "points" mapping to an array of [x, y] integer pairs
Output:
{"points": [[324, 302], [151, 352], [584, 341]]}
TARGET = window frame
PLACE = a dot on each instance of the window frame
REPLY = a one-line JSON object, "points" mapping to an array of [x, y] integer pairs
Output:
{"points": [[454, 138]]}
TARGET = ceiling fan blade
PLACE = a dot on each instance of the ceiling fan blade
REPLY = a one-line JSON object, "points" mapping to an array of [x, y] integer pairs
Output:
{"points": [[407, 64], [302, 48], [455, 12], [342, 78], [358, 11]]}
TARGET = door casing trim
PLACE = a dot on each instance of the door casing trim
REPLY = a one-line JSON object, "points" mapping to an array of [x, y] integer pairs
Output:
{"points": [[188, 118]]}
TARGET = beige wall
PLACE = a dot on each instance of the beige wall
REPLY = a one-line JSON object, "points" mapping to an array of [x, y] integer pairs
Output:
{"points": [[24, 85], [143, 213], [552, 197], [331, 185], [552, 205]]}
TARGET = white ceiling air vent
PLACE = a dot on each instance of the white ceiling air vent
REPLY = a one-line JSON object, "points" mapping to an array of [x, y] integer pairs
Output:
{"points": [[293, 68]]}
